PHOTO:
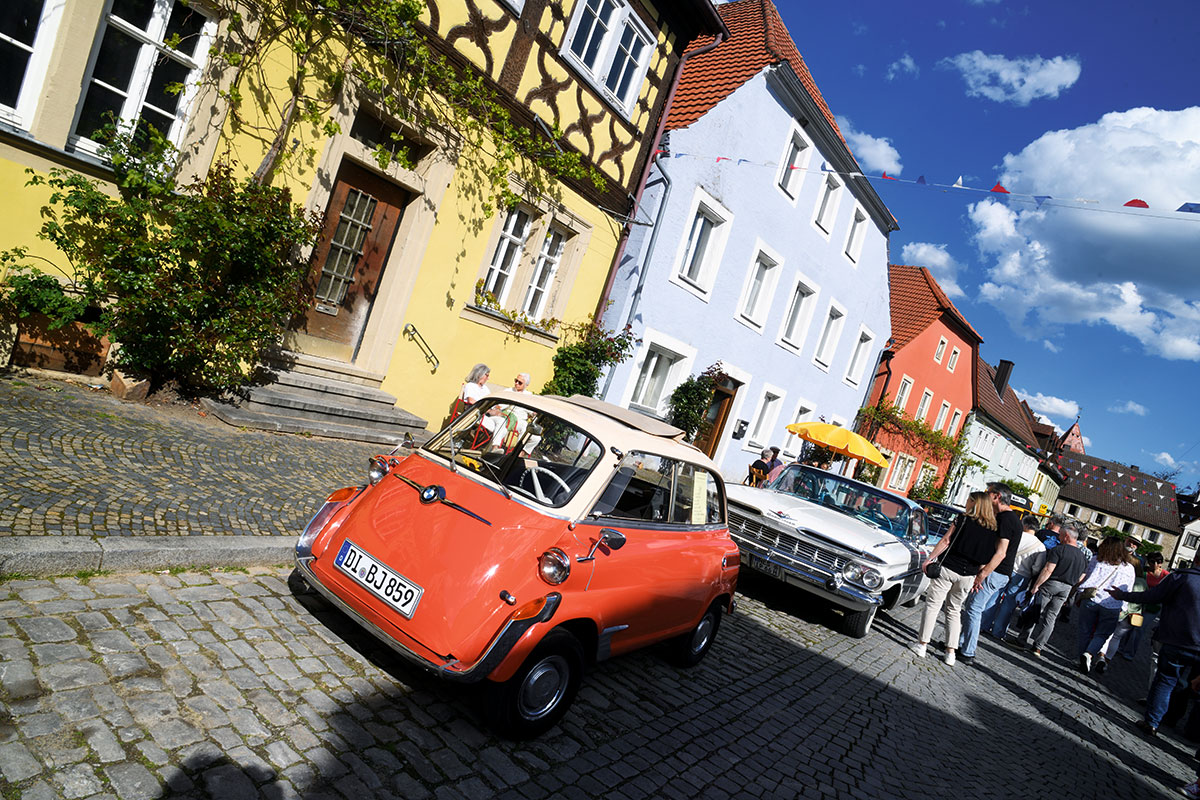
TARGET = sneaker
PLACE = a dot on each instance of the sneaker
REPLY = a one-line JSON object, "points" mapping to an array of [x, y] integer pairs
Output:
{"points": [[949, 658], [1192, 790], [1035, 653], [919, 649], [1016, 644], [1101, 666], [966, 659], [1146, 728], [1085, 663]]}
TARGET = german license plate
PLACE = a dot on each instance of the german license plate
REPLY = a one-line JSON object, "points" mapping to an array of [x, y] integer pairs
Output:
{"points": [[766, 567], [385, 583]]}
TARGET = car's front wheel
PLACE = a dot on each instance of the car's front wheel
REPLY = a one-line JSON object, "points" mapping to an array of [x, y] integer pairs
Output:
{"points": [[858, 623], [536, 698], [688, 650]]}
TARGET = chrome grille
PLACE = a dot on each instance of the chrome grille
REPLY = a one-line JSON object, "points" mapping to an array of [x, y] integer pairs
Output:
{"points": [[783, 542]]}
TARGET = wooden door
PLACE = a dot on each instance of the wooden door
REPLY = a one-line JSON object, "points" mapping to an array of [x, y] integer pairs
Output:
{"points": [[360, 224], [714, 420]]}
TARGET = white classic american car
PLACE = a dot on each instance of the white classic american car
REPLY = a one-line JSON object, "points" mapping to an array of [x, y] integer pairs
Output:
{"points": [[848, 542]]}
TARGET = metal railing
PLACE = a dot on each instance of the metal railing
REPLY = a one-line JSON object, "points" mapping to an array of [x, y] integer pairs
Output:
{"points": [[412, 333]]}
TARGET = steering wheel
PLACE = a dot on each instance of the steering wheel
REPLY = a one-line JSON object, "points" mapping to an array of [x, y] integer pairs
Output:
{"points": [[878, 517], [532, 473]]}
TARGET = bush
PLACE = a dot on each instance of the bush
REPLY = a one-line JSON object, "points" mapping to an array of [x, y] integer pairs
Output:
{"points": [[579, 363], [691, 399], [195, 282], [28, 291]]}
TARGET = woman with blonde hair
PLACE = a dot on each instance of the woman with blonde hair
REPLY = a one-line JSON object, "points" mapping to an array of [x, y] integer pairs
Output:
{"points": [[1099, 611], [968, 545]]}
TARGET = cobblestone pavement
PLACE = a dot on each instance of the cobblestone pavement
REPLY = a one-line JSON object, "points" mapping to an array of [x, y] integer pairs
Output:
{"points": [[77, 462], [223, 685]]}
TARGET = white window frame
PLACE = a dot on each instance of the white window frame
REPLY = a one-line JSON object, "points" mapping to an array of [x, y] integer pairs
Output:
{"points": [[830, 337], [545, 271], [766, 293], [825, 212], [923, 406], [859, 356], [1073, 513], [857, 235], [701, 286], [953, 361], [954, 420], [903, 392], [792, 172], [21, 115], [764, 419], [804, 318], [902, 464], [925, 469], [941, 417], [139, 81], [1099, 518], [596, 75], [805, 410], [509, 243], [940, 350], [679, 370]]}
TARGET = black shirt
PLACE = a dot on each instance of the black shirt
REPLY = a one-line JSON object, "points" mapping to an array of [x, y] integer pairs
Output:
{"points": [[1010, 528], [971, 546], [1069, 563]]}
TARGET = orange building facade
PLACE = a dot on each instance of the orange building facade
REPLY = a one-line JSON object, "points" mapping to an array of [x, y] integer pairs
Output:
{"points": [[930, 375]]}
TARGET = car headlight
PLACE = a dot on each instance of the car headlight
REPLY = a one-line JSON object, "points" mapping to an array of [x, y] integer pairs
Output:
{"points": [[377, 470], [554, 566], [864, 576]]}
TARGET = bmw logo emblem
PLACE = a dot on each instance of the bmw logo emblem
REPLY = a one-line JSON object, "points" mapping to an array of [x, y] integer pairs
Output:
{"points": [[431, 494]]}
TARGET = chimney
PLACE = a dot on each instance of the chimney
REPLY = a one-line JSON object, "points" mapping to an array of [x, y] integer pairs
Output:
{"points": [[1003, 370], [1135, 468]]}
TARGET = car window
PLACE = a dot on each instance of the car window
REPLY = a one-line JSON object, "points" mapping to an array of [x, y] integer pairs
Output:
{"points": [[654, 488], [858, 500]]}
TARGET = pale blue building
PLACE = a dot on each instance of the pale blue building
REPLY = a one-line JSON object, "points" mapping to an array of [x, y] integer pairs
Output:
{"points": [[766, 250]]}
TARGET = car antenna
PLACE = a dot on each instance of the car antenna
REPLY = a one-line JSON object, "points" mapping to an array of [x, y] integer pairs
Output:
{"points": [[452, 469]]}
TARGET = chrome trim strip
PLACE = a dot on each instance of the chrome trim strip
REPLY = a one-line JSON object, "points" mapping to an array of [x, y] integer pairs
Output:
{"points": [[497, 650], [808, 573]]}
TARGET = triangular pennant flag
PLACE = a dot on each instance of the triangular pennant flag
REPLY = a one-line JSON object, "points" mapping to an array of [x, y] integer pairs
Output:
{"points": [[723, 158], [887, 177], [1041, 198], [958, 184], [921, 180], [824, 167], [1135, 203], [1120, 474], [1000, 189], [1192, 208], [740, 160]]}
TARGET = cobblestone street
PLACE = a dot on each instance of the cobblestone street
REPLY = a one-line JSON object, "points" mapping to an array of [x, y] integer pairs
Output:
{"points": [[199, 684]]}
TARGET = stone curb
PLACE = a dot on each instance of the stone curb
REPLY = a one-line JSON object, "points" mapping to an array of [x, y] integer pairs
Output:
{"points": [[44, 556]]}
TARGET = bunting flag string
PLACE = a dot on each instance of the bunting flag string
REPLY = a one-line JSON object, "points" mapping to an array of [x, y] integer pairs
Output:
{"points": [[1133, 206]]}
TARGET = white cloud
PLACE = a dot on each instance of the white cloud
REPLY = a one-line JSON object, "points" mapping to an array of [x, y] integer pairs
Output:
{"points": [[1129, 407], [1049, 405], [1087, 441], [859, 69], [1166, 459], [1134, 271], [874, 153], [940, 263], [905, 65], [1049, 345], [1013, 80]]}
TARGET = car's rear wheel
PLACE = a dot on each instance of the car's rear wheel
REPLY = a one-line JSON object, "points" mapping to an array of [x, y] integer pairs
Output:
{"points": [[536, 698], [858, 623], [689, 650]]}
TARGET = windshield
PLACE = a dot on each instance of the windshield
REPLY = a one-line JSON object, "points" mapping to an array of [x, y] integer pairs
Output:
{"points": [[878, 508], [530, 453]]}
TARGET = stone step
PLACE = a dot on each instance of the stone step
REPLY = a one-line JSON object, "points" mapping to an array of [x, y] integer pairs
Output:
{"points": [[308, 402], [260, 420]]}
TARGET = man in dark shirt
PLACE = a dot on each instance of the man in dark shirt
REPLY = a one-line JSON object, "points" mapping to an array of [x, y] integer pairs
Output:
{"points": [[995, 574], [1049, 534], [1065, 566], [1178, 632]]}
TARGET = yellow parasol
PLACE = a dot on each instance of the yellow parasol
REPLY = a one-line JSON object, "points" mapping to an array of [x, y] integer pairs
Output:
{"points": [[838, 439]]}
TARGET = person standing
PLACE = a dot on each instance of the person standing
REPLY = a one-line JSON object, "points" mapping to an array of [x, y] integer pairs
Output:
{"points": [[1155, 573], [1178, 633], [995, 574], [1099, 611], [1065, 566], [1049, 534], [1031, 557], [969, 543]]}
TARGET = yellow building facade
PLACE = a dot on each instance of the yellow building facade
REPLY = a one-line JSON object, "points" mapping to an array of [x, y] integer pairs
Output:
{"points": [[395, 277]]}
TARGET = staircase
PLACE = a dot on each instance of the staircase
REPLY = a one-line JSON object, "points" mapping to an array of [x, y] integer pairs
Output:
{"points": [[322, 398]]}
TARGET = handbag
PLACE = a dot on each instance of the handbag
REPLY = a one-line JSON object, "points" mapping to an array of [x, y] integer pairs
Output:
{"points": [[1136, 620], [933, 569], [1088, 595]]}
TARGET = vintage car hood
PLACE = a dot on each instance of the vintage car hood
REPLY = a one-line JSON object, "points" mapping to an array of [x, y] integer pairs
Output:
{"points": [[834, 527], [461, 563]]}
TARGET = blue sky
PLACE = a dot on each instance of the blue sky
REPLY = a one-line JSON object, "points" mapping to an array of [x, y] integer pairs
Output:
{"points": [[1098, 305]]}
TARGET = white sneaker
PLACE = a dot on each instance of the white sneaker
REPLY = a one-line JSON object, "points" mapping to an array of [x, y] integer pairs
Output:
{"points": [[949, 658], [919, 649], [1192, 790]]}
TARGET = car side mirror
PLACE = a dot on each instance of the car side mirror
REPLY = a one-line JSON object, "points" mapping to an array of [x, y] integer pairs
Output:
{"points": [[610, 538]]}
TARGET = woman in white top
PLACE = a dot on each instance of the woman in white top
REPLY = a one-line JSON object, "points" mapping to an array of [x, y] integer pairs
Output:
{"points": [[1099, 611], [473, 387]]}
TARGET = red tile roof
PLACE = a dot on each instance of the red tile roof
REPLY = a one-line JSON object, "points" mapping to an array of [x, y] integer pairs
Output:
{"points": [[916, 301], [758, 39], [1007, 411], [1119, 490]]}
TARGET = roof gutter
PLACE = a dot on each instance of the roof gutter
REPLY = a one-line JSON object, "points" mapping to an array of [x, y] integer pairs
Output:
{"points": [[641, 187]]}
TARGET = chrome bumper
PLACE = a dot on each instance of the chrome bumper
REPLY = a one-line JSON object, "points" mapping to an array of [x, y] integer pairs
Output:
{"points": [[811, 577], [452, 669]]}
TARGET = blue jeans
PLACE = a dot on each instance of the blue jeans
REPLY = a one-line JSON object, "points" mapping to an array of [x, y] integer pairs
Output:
{"points": [[1174, 665], [1096, 623], [996, 618], [977, 603]]}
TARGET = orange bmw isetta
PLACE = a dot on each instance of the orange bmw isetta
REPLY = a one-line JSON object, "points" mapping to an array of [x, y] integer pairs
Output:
{"points": [[530, 538]]}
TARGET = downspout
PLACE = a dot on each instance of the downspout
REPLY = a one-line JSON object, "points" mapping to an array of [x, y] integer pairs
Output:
{"points": [[656, 161]]}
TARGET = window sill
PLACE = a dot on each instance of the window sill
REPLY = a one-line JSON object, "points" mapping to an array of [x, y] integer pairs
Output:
{"points": [[491, 319]]}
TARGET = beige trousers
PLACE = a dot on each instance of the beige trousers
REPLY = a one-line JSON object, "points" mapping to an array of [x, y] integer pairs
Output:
{"points": [[950, 589]]}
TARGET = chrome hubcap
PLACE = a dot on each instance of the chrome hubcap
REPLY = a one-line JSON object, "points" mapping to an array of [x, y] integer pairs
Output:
{"points": [[702, 633], [544, 687]]}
